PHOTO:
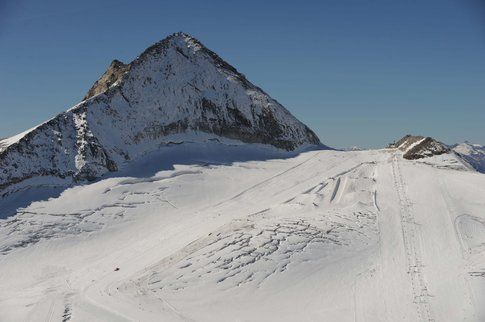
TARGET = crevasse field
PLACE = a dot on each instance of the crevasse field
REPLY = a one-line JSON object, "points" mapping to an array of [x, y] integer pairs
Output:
{"points": [[244, 233]]}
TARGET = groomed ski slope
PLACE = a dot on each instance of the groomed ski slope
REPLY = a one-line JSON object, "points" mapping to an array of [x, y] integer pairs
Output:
{"points": [[321, 236]]}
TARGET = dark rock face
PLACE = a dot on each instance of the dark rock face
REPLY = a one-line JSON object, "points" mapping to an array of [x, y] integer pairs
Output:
{"points": [[404, 142], [417, 147], [426, 148], [114, 73], [177, 87]]}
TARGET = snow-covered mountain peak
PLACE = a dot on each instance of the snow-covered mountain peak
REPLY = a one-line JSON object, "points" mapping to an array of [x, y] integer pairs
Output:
{"points": [[183, 39], [178, 40], [177, 90]]}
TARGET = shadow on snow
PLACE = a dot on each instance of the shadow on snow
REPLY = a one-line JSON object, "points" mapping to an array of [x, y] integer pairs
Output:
{"points": [[146, 166]]}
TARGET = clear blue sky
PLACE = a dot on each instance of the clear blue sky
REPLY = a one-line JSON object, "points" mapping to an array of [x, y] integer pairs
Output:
{"points": [[357, 72]]}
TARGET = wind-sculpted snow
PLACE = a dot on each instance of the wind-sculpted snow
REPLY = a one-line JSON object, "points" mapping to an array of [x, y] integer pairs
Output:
{"points": [[268, 242], [177, 86], [471, 230], [318, 236], [253, 251], [109, 201]]}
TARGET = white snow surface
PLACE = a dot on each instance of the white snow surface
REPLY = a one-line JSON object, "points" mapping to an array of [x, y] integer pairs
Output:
{"points": [[243, 233]]}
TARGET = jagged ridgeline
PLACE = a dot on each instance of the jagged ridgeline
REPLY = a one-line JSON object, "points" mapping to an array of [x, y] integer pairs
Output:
{"points": [[174, 87]]}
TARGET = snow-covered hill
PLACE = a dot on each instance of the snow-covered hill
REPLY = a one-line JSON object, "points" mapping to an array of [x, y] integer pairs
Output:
{"points": [[248, 233], [177, 90], [474, 154]]}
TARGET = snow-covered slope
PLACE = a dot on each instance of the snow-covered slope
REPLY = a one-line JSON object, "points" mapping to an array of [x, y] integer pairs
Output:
{"points": [[175, 86], [319, 236], [474, 154]]}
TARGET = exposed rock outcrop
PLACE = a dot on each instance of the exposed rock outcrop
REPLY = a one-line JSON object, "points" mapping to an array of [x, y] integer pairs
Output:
{"points": [[417, 147], [114, 73]]}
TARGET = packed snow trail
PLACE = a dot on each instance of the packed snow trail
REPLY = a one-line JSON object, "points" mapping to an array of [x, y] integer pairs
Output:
{"points": [[325, 235], [411, 240]]}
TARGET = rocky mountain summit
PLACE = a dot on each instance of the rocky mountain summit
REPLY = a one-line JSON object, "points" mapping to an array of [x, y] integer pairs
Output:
{"points": [[418, 147], [176, 90]]}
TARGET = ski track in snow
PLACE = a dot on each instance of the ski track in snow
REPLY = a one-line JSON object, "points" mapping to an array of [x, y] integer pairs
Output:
{"points": [[304, 238], [411, 239]]}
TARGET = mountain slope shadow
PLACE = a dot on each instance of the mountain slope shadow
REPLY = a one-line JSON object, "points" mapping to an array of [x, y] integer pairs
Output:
{"points": [[210, 153]]}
